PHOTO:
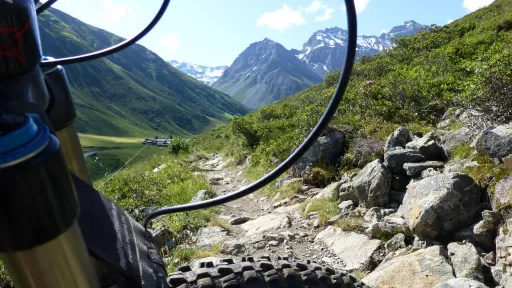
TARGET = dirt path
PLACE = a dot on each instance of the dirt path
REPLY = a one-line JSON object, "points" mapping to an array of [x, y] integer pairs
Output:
{"points": [[270, 231]]}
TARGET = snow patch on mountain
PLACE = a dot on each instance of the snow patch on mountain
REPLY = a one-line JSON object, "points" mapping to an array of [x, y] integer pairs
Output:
{"points": [[205, 74]]}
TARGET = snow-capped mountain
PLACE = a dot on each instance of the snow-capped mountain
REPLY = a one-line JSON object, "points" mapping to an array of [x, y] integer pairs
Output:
{"points": [[205, 74], [326, 49]]}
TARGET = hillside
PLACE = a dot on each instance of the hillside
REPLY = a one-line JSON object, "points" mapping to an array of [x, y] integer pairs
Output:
{"points": [[326, 49], [206, 74], [134, 92], [264, 73]]}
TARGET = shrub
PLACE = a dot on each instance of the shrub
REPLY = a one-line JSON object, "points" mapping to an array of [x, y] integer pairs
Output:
{"points": [[319, 177], [178, 146]]}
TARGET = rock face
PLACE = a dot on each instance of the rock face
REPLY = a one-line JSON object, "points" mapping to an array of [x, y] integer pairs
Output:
{"points": [[421, 269], [460, 283], [396, 159], [202, 195], [504, 246], [440, 205], [481, 234], [232, 248], [451, 140], [399, 181], [428, 146], [326, 150], [396, 243], [496, 141], [265, 223], [346, 193], [330, 192], [399, 138], [373, 184], [208, 236], [415, 169], [465, 261], [389, 226], [376, 214], [502, 193], [356, 250]]}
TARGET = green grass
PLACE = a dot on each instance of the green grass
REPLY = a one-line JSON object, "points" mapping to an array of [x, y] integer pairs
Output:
{"points": [[182, 255], [354, 224], [326, 209], [462, 152]]}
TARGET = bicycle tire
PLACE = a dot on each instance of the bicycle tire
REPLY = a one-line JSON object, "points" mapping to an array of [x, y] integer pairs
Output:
{"points": [[265, 271]]}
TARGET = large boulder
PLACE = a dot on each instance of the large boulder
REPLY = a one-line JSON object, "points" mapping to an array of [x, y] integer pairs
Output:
{"points": [[481, 234], [466, 117], [395, 159], [330, 192], [388, 227], [504, 246], [421, 269], [415, 169], [269, 222], [496, 141], [440, 205], [346, 193], [372, 185], [502, 193], [429, 146], [357, 251], [465, 261], [327, 150], [376, 214], [399, 138], [208, 236], [461, 283], [453, 139]]}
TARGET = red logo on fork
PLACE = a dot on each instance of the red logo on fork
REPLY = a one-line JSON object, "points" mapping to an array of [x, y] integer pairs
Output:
{"points": [[11, 42]]}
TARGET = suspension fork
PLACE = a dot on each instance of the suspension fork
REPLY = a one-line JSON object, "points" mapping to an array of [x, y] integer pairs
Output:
{"points": [[23, 90]]}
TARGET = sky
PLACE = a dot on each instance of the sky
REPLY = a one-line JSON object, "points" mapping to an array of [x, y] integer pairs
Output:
{"points": [[215, 32]]}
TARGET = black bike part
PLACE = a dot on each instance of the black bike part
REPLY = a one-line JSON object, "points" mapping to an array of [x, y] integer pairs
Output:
{"points": [[263, 272], [303, 148], [114, 238], [38, 200], [45, 6], [61, 109], [20, 46], [111, 50]]}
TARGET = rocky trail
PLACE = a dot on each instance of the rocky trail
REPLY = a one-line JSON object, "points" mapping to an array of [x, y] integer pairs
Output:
{"points": [[258, 226]]}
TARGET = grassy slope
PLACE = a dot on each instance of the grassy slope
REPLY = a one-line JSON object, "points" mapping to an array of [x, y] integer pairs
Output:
{"points": [[414, 84], [133, 93]]}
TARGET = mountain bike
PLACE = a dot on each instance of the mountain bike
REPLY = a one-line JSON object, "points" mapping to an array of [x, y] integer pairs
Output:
{"points": [[56, 230]]}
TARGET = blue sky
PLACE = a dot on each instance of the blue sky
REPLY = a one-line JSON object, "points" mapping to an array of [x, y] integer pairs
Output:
{"points": [[215, 32]]}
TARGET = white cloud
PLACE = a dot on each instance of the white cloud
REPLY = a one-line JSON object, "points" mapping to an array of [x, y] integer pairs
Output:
{"points": [[450, 21], [281, 19], [115, 12], [327, 15], [171, 42], [315, 6], [473, 5], [361, 5]]}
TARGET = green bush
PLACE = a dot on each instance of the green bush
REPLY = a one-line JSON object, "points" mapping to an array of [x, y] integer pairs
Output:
{"points": [[178, 146]]}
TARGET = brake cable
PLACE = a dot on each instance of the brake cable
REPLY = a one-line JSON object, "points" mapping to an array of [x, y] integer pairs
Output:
{"points": [[303, 148], [108, 51]]}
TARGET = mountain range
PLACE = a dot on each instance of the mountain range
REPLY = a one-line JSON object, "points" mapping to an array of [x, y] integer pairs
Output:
{"points": [[205, 74], [266, 71], [133, 92]]}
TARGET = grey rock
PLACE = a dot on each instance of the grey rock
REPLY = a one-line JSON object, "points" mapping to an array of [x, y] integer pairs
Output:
{"points": [[346, 205], [489, 258], [460, 283], [208, 236], [415, 169], [399, 138], [496, 141], [274, 237], [266, 223], [288, 235], [419, 244], [284, 182], [481, 234], [389, 227], [502, 193], [396, 197], [465, 261], [396, 159], [451, 140], [429, 146], [273, 243], [239, 220], [421, 269], [334, 219], [429, 173], [331, 192], [504, 246], [440, 205], [375, 214], [202, 195], [232, 248], [397, 253], [281, 203], [497, 275], [356, 250], [326, 150], [372, 185], [400, 181], [396, 243], [346, 193]]}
